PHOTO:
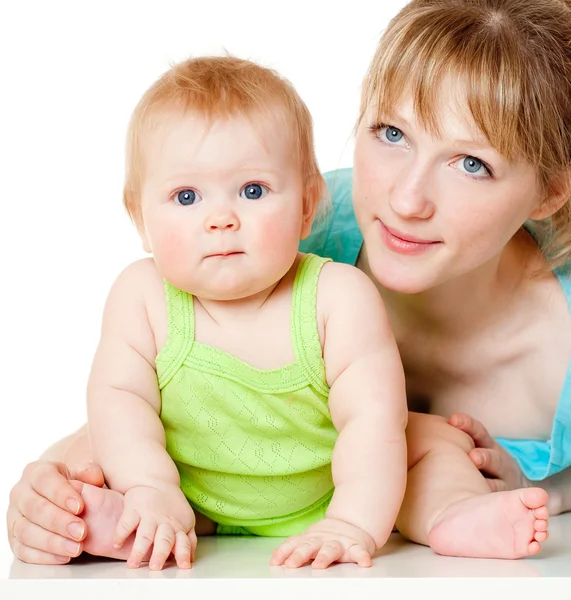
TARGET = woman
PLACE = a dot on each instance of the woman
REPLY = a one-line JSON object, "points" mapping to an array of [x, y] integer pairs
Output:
{"points": [[460, 188]]}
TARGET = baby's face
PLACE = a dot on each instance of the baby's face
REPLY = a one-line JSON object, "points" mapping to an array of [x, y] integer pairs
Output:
{"points": [[222, 204]]}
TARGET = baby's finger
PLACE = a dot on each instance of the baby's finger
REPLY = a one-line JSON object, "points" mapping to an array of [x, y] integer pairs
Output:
{"points": [[281, 553], [143, 541], [328, 554], [183, 550], [125, 527], [193, 540], [304, 552], [162, 546], [359, 555]]}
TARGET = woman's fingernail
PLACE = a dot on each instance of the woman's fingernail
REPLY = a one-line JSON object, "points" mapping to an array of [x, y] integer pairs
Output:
{"points": [[72, 548], [479, 460], [63, 559], [72, 505], [76, 530]]}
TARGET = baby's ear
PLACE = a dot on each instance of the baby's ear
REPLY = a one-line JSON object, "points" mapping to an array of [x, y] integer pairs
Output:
{"points": [[133, 206], [141, 230], [558, 194], [314, 195]]}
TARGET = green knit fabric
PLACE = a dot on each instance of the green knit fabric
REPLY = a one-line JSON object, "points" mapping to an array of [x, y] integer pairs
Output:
{"points": [[253, 447]]}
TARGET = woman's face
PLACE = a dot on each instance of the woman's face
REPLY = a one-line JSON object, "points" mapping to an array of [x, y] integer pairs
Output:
{"points": [[432, 209]]}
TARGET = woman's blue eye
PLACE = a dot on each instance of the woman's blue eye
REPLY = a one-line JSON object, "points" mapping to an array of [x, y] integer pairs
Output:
{"points": [[253, 191], [393, 134], [187, 197]]}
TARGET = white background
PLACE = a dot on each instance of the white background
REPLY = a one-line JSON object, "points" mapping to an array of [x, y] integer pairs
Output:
{"points": [[71, 72]]}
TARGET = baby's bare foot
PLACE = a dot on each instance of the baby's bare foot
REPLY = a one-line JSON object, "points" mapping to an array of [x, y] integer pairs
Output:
{"points": [[103, 507], [497, 525]]}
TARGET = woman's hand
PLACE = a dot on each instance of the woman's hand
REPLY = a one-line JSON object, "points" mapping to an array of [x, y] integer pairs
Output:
{"points": [[498, 467], [43, 526]]}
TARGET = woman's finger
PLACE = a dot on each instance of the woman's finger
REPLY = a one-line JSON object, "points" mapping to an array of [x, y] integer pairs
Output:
{"points": [[32, 536], [490, 462], [497, 485], [46, 515], [50, 480], [474, 429], [37, 557]]}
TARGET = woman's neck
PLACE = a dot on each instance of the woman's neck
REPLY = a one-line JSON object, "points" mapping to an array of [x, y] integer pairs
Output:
{"points": [[469, 303]]}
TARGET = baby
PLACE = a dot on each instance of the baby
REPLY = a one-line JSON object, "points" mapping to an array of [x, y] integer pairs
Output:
{"points": [[237, 379], [242, 387]]}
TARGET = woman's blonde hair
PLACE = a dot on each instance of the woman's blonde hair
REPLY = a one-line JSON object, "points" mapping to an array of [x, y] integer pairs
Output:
{"points": [[219, 88], [514, 59]]}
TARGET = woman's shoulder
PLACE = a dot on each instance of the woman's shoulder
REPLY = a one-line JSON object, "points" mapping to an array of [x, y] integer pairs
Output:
{"points": [[336, 234]]}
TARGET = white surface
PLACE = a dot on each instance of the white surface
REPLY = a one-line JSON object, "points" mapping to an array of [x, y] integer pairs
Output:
{"points": [[239, 567]]}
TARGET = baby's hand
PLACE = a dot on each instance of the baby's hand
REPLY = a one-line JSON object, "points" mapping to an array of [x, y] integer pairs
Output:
{"points": [[326, 542], [163, 519]]}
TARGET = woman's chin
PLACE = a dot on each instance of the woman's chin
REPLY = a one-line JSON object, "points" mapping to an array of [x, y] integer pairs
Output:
{"points": [[399, 281]]}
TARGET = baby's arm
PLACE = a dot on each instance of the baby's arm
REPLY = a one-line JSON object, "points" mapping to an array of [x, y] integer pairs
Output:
{"points": [[125, 431], [368, 407]]}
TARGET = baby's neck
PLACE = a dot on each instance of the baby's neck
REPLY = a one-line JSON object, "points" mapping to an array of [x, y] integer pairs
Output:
{"points": [[243, 309]]}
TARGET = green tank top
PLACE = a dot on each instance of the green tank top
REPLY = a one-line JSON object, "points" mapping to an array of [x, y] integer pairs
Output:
{"points": [[252, 446]]}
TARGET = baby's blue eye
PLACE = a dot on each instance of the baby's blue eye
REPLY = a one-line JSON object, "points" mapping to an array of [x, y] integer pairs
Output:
{"points": [[253, 191], [187, 197], [472, 164]]}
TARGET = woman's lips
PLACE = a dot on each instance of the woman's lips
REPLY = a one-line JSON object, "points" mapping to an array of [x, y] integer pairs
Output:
{"points": [[403, 243]]}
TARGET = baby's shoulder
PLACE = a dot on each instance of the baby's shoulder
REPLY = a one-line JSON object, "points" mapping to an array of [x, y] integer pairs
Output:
{"points": [[344, 290], [342, 281], [137, 288], [139, 277]]}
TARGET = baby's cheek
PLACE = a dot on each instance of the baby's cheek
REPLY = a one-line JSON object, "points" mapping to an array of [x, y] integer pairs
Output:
{"points": [[172, 255]]}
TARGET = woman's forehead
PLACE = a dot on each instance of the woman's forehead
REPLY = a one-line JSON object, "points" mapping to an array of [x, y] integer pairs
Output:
{"points": [[449, 118]]}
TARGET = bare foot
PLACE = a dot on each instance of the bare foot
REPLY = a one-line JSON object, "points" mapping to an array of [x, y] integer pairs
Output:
{"points": [[103, 507], [497, 525]]}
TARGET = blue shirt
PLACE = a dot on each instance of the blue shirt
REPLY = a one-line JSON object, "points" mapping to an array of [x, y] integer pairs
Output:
{"points": [[337, 236]]}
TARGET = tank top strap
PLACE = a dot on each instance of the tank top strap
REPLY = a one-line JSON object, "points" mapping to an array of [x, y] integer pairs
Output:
{"points": [[180, 338], [305, 335]]}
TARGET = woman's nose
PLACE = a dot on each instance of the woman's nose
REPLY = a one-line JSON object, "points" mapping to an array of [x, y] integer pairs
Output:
{"points": [[410, 193]]}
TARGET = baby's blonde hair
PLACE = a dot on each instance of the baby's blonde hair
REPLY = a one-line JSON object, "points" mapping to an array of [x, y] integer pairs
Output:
{"points": [[514, 58], [222, 87]]}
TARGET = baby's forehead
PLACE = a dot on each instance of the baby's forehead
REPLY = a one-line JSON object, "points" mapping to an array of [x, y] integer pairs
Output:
{"points": [[265, 123]]}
